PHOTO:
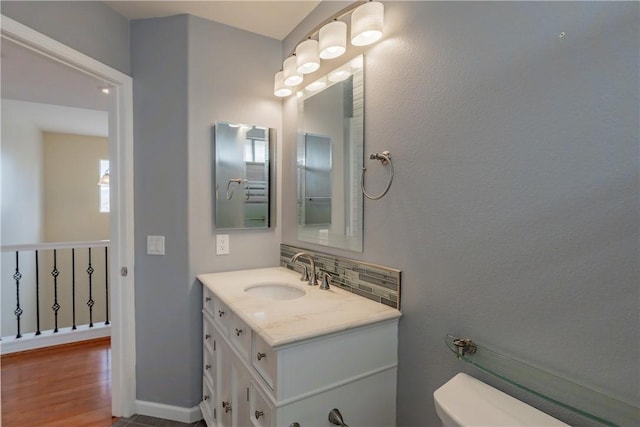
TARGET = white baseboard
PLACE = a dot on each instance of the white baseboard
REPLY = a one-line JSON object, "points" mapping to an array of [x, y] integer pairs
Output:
{"points": [[49, 338], [168, 412]]}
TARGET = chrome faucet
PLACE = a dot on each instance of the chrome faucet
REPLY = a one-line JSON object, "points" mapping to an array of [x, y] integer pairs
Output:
{"points": [[312, 274]]}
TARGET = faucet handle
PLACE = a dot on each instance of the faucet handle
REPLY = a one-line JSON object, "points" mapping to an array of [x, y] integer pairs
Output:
{"points": [[326, 280], [305, 274]]}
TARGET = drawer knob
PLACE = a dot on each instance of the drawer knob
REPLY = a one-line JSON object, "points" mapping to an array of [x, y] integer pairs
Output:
{"points": [[258, 414], [207, 336], [261, 355], [226, 406], [238, 332], [205, 397], [207, 367], [220, 313], [207, 299]]}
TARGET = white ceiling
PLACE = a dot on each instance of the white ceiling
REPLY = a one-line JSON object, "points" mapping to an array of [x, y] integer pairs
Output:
{"points": [[275, 19]]}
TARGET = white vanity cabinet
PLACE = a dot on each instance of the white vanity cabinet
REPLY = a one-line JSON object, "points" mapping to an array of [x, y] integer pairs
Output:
{"points": [[248, 382]]}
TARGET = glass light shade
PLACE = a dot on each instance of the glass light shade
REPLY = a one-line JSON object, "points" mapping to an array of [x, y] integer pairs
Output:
{"points": [[367, 22], [291, 75], [333, 40], [307, 56], [279, 89]]}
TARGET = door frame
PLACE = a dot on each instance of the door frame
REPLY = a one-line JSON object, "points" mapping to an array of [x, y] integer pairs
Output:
{"points": [[123, 355]]}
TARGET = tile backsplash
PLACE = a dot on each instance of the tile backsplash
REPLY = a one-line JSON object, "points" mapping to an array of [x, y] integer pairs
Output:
{"points": [[375, 282]]}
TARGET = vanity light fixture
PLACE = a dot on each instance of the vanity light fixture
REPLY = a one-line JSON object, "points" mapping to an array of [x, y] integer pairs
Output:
{"points": [[279, 89], [367, 21], [104, 179], [332, 40], [307, 56]]}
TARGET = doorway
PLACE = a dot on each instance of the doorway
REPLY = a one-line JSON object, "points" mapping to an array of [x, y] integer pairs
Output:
{"points": [[121, 212]]}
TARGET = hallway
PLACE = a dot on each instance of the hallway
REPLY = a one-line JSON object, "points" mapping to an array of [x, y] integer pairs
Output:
{"points": [[67, 385]]}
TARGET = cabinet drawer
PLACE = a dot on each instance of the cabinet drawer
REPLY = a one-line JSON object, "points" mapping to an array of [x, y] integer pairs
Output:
{"points": [[264, 360], [209, 365], [221, 315], [208, 332], [240, 336], [260, 412], [207, 300]]}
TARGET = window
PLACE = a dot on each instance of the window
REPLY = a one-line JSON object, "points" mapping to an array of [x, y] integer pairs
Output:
{"points": [[255, 150], [104, 189]]}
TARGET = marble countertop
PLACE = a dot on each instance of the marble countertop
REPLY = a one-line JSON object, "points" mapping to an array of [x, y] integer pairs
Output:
{"points": [[280, 322]]}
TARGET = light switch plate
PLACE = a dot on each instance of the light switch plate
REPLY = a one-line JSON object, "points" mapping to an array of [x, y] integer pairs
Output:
{"points": [[155, 245], [222, 244]]}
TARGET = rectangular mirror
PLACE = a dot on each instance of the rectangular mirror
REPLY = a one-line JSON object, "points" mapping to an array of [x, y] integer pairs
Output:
{"points": [[329, 158], [242, 167]]}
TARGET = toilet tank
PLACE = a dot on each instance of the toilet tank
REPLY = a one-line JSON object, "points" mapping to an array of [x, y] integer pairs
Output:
{"points": [[466, 401]]}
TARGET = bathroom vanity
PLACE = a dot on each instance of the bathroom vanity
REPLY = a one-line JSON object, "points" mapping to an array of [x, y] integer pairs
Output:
{"points": [[277, 351]]}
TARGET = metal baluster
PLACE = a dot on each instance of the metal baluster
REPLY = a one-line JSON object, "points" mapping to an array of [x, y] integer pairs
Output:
{"points": [[55, 273], [90, 303], [18, 311], [73, 287], [106, 282], [37, 297]]}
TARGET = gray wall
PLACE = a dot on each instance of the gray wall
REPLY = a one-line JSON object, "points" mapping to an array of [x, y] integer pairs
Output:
{"points": [[514, 210], [160, 107], [188, 72], [90, 27]]}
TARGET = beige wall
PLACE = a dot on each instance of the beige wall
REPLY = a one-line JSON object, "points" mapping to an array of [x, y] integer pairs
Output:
{"points": [[71, 196], [72, 213]]}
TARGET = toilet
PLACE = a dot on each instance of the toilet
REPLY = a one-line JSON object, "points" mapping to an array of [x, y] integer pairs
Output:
{"points": [[466, 401]]}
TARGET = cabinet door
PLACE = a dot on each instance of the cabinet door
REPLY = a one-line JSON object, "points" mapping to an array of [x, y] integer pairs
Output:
{"points": [[208, 402], [262, 414], [209, 352], [224, 403], [240, 380]]}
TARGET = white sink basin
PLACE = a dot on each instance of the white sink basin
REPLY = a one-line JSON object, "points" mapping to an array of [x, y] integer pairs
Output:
{"points": [[275, 290]]}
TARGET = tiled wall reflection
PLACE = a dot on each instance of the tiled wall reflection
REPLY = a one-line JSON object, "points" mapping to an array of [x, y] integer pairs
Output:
{"points": [[375, 282]]}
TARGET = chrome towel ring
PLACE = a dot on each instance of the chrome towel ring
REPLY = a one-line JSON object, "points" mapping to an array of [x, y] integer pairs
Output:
{"points": [[230, 189], [385, 159]]}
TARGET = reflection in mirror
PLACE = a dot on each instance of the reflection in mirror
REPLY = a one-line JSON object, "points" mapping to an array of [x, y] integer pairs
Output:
{"points": [[329, 160], [242, 175]]}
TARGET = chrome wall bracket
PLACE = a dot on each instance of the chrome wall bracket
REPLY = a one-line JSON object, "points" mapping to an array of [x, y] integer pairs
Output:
{"points": [[464, 346]]}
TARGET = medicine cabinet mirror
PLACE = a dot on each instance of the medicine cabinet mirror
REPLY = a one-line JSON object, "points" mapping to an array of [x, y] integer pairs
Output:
{"points": [[243, 172], [329, 158]]}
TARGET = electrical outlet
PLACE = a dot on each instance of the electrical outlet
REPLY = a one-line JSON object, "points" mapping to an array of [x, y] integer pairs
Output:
{"points": [[222, 244]]}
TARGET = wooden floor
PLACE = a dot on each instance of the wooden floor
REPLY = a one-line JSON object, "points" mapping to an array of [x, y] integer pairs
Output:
{"points": [[67, 385]]}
